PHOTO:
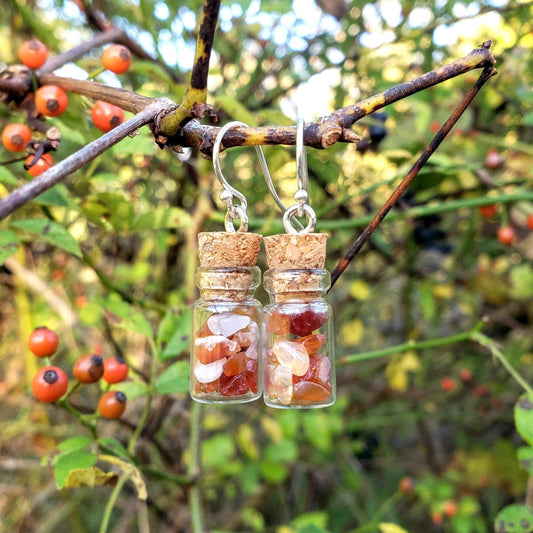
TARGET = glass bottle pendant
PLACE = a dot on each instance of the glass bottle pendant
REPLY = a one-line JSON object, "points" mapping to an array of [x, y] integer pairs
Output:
{"points": [[298, 357], [226, 329]]}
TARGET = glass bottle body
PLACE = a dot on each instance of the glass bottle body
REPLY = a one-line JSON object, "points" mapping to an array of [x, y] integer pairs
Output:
{"points": [[298, 354], [226, 336]]}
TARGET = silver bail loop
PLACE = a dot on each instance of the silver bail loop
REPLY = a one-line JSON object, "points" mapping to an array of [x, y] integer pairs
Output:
{"points": [[233, 211]]}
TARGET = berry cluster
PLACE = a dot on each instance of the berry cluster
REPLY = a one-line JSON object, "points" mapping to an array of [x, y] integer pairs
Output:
{"points": [[52, 101], [50, 383], [506, 234]]}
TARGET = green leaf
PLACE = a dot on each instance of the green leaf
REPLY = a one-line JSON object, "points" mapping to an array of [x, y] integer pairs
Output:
{"points": [[527, 119], [514, 519], [525, 458], [174, 334], [162, 218], [115, 445], [174, 379], [317, 520], [273, 472], [523, 415], [123, 315], [51, 232], [8, 244], [142, 143], [132, 389], [59, 196], [71, 461], [7, 177], [522, 282], [218, 450], [74, 443]]}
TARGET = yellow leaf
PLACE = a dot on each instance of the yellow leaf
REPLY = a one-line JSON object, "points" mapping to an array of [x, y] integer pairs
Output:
{"points": [[359, 290], [444, 291], [398, 368], [272, 428], [391, 528], [90, 477], [129, 470], [351, 333]]}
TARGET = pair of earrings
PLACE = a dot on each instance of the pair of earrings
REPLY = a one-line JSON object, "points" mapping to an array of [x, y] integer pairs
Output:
{"points": [[240, 351]]}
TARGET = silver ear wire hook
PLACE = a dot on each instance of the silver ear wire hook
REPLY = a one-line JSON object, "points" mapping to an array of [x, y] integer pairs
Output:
{"points": [[234, 211], [301, 207]]}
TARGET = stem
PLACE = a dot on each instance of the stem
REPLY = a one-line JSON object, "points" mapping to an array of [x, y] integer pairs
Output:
{"points": [[411, 345], [127, 100], [149, 395], [356, 246], [195, 502], [57, 173], [111, 503], [496, 352]]}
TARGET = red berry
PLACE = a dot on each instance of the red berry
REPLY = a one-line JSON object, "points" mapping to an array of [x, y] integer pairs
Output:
{"points": [[488, 211], [43, 342], [15, 137], [51, 100], [33, 53], [466, 374], [49, 384], [106, 116], [112, 404], [447, 384], [406, 484], [117, 59], [43, 163], [529, 221], [89, 368], [493, 159], [115, 370], [506, 235]]}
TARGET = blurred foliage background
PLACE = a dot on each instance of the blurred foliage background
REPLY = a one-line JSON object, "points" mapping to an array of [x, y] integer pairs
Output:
{"points": [[123, 246]]}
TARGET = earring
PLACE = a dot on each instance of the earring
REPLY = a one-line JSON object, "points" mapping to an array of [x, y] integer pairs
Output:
{"points": [[299, 361], [227, 320]]}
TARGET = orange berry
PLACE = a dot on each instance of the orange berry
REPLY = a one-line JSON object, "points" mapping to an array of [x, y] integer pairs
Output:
{"points": [[49, 384], [15, 137], [406, 484], [529, 221], [43, 342], [115, 370], [51, 100], [506, 235], [43, 163], [33, 53], [89, 368], [466, 374], [488, 211], [112, 404], [106, 116], [437, 518], [117, 59], [447, 384], [450, 508]]}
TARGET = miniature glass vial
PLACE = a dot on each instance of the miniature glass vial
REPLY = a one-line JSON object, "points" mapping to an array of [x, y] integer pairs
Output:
{"points": [[226, 336], [298, 355]]}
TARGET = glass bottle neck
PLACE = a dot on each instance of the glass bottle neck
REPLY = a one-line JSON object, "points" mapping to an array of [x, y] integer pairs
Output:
{"points": [[299, 285], [235, 284]]}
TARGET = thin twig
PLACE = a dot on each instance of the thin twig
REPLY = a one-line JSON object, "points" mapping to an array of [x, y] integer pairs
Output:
{"points": [[57, 173], [415, 169]]}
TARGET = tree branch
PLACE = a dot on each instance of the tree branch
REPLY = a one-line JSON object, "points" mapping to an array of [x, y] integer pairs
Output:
{"points": [[57, 173], [328, 130], [197, 90], [354, 249]]}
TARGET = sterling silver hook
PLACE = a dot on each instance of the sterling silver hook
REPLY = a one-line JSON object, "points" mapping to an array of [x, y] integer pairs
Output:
{"points": [[301, 207], [234, 211]]}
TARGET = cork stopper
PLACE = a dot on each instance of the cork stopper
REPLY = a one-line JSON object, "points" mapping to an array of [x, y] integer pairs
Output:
{"points": [[221, 249], [294, 251], [292, 259]]}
